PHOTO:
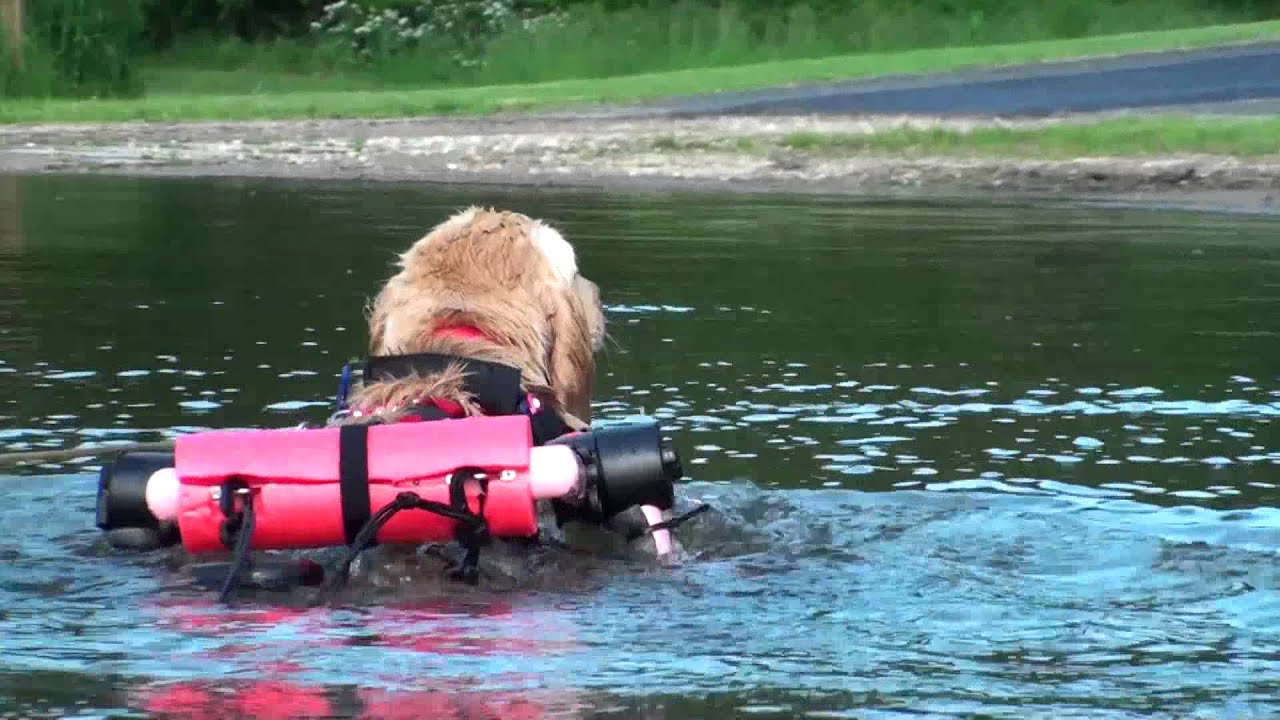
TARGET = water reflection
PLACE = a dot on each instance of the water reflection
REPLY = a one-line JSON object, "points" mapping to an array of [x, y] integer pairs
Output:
{"points": [[14, 332]]}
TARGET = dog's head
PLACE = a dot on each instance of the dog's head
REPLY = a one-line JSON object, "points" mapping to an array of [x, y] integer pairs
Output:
{"points": [[512, 284]]}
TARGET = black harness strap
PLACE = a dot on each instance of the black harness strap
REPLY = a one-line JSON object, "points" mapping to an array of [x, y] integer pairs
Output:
{"points": [[496, 388], [671, 524], [235, 532], [353, 478], [471, 535], [471, 530], [547, 426]]}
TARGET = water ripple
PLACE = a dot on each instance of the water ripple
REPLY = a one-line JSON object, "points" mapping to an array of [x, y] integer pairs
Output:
{"points": [[964, 461]]}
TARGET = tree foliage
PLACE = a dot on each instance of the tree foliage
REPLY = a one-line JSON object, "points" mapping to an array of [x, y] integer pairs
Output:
{"points": [[78, 48], [92, 47]]}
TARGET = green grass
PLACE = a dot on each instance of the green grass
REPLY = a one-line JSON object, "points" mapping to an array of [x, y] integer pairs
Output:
{"points": [[276, 102], [686, 35], [663, 35], [1130, 137]]}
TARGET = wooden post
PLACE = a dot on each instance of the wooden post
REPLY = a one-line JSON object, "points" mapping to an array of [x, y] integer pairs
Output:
{"points": [[12, 17]]}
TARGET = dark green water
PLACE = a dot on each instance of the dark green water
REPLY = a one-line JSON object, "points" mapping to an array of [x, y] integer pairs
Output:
{"points": [[969, 460]]}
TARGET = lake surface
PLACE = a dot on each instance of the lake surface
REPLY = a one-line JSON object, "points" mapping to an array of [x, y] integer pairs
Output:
{"points": [[967, 459]]}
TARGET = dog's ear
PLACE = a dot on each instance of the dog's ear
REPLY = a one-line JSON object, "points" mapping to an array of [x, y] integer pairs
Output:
{"points": [[589, 296], [574, 319], [377, 316]]}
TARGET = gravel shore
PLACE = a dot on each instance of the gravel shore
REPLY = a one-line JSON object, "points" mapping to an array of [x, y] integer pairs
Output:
{"points": [[659, 153]]}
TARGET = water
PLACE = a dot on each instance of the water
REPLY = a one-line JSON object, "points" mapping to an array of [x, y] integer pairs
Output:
{"points": [[967, 459]]}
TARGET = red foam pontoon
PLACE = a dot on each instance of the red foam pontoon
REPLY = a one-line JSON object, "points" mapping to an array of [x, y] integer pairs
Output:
{"points": [[295, 479]]}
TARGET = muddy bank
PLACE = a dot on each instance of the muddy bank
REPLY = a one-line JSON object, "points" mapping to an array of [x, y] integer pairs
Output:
{"points": [[741, 153]]}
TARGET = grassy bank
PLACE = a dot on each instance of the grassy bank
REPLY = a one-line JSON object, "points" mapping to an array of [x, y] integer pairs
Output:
{"points": [[279, 103], [589, 41], [1249, 137]]}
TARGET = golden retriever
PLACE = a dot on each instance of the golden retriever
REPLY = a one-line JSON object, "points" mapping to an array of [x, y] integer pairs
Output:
{"points": [[489, 285], [494, 286]]}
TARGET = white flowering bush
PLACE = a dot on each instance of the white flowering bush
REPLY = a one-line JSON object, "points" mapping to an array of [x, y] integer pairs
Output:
{"points": [[458, 28]]}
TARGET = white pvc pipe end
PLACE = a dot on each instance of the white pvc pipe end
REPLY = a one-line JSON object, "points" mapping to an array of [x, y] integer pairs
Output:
{"points": [[162, 494]]}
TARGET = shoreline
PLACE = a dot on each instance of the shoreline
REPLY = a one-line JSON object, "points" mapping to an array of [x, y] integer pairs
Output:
{"points": [[708, 154]]}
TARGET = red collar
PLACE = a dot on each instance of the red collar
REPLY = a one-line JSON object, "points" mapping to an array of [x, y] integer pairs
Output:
{"points": [[469, 332]]}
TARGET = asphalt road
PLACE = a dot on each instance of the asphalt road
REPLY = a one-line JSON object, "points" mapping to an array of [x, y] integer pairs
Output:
{"points": [[1242, 79]]}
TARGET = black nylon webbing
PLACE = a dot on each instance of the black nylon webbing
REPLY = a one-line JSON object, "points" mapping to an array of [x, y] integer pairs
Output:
{"points": [[547, 426], [353, 478], [495, 386]]}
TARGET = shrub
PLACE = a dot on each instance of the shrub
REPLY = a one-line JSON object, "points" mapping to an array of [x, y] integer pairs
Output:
{"points": [[378, 29], [84, 48]]}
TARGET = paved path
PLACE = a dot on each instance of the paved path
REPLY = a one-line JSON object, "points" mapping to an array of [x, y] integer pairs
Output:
{"points": [[1237, 80]]}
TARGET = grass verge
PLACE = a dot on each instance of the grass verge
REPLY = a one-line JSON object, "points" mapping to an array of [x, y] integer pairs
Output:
{"points": [[598, 40], [390, 103], [1250, 137]]}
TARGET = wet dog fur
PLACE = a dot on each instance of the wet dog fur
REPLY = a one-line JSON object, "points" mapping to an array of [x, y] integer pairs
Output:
{"points": [[513, 278]]}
